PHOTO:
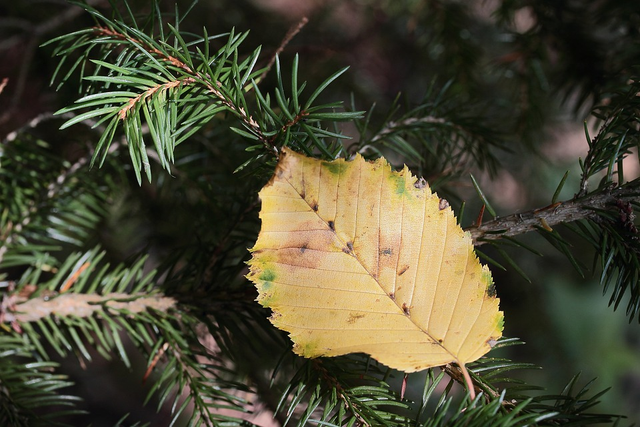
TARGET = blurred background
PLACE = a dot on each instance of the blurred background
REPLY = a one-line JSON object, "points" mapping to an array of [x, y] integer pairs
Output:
{"points": [[531, 69]]}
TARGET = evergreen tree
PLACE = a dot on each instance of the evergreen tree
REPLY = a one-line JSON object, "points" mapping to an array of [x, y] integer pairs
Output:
{"points": [[124, 234]]}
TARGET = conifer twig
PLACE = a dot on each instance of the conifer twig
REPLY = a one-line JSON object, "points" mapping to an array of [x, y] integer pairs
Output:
{"points": [[392, 126], [557, 213], [84, 305], [195, 76], [13, 230]]}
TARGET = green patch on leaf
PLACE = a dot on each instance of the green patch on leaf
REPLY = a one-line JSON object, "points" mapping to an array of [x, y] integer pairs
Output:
{"points": [[335, 168], [267, 275], [500, 322], [487, 278], [400, 184]]}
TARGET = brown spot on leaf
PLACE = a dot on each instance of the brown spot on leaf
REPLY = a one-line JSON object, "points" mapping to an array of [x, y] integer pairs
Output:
{"points": [[444, 204], [353, 317], [403, 270], [420, 184], [314, 206], [297, 256], [405, 308], [392, 296], [491, 291], [350, 246], [332, 225], [386, 251]]}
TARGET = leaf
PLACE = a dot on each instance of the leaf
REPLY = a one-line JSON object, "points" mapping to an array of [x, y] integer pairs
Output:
{"points": [[354, 257]]}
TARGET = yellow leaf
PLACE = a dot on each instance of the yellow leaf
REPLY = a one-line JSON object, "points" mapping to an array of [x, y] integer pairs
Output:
{"points": [[355, 257]]}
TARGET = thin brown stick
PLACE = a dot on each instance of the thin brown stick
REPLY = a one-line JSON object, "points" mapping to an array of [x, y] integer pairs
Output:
{"points": [[293, 31], [480, 216], [457, 373], [33, 35]]}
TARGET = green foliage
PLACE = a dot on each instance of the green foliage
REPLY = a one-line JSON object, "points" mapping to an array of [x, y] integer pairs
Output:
{"points": [[99, 263], [174, 86], [442, 136], [611, 230], [29, 388], [45, 200]]}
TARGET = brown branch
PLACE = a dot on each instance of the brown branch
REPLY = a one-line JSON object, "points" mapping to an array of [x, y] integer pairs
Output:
{"points": [[33, 34], [557, 213], [287, 38], [85, 305], [149, 92], [300, 116]]}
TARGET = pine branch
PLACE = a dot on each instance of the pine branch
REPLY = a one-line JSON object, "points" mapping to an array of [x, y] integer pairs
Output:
{"points": [[29, 389], [617, 137], [341, 391], [604, 219], [393, 127], [101, 305], [56, 194], [151, 82], [175, 90], [85, 305], [194, 77], [547, 217], [441, 138]]}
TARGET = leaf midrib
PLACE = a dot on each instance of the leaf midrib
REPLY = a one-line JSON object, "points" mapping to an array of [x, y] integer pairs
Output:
{"points": [[353, 253]]}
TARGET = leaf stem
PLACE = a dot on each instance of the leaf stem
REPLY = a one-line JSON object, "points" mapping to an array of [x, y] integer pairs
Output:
{"points": [[468, 381]]}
